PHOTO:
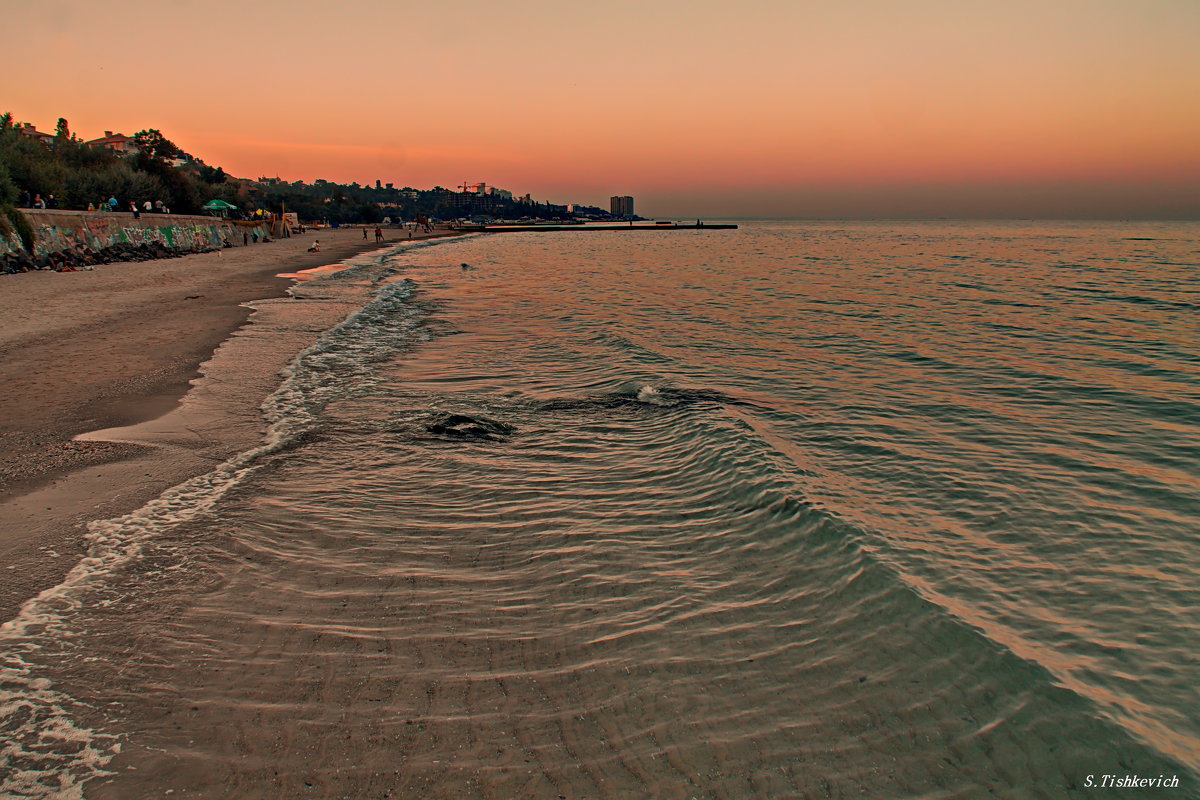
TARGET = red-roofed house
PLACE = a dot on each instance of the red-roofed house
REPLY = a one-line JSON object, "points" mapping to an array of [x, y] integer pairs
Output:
{"points": [[117, 142], [27, 129]]}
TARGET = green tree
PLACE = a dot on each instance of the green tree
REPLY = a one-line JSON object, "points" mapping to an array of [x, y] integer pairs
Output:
{"points": [[8, 190], [369, 213], [212, 174], [61, 132], [154, 147]]}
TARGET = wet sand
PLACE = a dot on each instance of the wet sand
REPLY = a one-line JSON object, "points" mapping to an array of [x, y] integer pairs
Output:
{"points": [[108, 348]]}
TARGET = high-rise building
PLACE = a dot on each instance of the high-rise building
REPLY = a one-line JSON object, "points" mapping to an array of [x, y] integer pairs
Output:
{"points": [[621, 205]]}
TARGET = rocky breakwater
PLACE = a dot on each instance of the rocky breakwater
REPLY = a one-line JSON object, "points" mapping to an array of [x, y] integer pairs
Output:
{"points": [[65, 240]]}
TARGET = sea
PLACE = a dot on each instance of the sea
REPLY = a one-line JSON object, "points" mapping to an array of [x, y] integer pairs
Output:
{"points": [[805, 509]]}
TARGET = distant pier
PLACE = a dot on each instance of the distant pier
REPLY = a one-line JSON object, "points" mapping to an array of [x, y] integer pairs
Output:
{"points": [[575, 228]]}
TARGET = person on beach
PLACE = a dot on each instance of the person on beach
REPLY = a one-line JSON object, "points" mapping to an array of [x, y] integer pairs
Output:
{"points": [[379, 235], [112, 203], [158, 206], [147, 206], [245, 239], [316, 246], [133, 207], [364, 234]]}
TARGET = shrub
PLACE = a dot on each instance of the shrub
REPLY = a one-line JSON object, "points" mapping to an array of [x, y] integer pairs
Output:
{"points": [[14, 219]]}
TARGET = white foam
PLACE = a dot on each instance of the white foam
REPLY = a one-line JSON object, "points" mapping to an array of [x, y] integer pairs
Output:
{"points": [[37, 724], [35, 718], [648, 394]]}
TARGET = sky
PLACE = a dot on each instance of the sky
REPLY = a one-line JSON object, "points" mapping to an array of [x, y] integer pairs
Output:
{"points": [[758, 108]]}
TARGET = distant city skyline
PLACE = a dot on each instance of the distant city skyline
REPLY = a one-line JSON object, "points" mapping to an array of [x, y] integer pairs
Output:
{"points": [[866, 108]]}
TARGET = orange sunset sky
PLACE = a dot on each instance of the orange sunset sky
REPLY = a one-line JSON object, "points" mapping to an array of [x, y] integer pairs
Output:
{"points": [[895, 108]]}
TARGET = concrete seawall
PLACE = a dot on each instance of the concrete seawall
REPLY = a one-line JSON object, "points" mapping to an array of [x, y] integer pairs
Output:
{"points": [[56, 231]]}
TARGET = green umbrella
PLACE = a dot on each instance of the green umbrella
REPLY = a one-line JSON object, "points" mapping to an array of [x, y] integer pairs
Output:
{"points": [[218, 207]]}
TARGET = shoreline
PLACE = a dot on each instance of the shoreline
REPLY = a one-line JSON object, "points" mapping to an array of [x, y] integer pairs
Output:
{"points": [[115, 347]]}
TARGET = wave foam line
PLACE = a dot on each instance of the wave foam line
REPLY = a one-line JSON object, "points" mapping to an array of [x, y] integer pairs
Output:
{"points": [[46, 754]]}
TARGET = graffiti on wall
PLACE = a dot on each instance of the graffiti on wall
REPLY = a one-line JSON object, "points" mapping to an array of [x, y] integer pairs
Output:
{"points": [[78, 230]]}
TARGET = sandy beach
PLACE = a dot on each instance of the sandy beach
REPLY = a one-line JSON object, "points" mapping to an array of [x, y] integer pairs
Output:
{"points": [[113, 347]]}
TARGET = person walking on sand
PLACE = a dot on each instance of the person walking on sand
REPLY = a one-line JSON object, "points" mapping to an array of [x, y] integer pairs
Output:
{"points": [[379, 235], [364, 234]]}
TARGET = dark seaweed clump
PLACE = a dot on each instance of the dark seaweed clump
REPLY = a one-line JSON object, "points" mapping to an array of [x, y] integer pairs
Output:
{"points": [[462, 426]]}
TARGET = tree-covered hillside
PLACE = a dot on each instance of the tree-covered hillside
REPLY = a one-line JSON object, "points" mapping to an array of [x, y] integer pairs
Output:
{"points": [[76, 174]]}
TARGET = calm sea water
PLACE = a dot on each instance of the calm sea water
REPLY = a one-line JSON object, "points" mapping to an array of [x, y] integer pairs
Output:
{"points": [[799, 510]]}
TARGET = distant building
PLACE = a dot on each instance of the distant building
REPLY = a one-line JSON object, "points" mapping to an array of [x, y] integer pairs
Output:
{"points": [[472, 202], [480, 189], [621, 205], [586, 211], [27, 129], [117, 142]]}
